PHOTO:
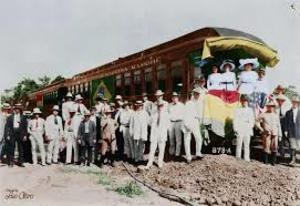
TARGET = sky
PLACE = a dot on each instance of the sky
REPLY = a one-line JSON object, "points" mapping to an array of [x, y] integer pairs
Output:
{"points": [[65, 37]]}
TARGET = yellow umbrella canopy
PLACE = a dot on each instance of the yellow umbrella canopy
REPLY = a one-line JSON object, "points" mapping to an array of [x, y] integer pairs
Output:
{"points": [[255, 48]]}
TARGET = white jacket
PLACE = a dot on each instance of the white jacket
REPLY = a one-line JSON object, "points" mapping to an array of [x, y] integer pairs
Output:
{"points": [[243, 121], [159, 132], [2, 125], [81, 107], [70, 129], [54, 130], [36, 126], [125, 117], [138, 128], [66, 106], [193, 114]]}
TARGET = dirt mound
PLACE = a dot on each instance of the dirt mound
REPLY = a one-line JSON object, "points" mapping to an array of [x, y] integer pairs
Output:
{"points": [[223, 180]]}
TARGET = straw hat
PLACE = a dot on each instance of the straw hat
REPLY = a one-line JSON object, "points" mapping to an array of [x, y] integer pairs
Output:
{"points": [[118, 97], [87, 113], [295, 99], [6, 106], [78, 97], [18, 106], [69, 95], [227, 62], [197, 90], [271, 103], [139, 103], [55, 108], [37, 111], [280, 97], [159, 93], [174, 94], [253, 61]]}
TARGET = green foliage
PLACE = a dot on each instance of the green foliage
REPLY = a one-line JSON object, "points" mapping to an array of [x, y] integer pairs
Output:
{"points": [[57, 79], [130, 189], [44, 81], [290, 91]]}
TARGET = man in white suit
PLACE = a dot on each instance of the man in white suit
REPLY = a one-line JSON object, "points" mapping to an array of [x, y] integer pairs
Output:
{"points": [[54, 134], [36, 130], [160, 122], [67, 105]]}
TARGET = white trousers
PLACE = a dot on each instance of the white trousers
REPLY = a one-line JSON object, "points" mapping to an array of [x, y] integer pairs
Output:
{"points": [[161, 153], [128, 143], [71, 144], [240, 141], [187, 142], [36, 139], [53, 150], [175, 138]]}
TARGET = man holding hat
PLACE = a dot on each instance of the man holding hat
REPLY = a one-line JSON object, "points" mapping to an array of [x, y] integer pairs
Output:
{"points": [[292, 128], [269, 125], [192, 121], [138, 130], [66, 106], [243, 123], [15, 131], [36, 130], [108, 139], [70, 136], [176, 111], [86, 139], [228, 77], [3, 117], [54, 134], [160, 122]]}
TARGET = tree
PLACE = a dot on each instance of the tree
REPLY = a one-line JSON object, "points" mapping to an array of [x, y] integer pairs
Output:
{"points": [[24, 87], [44, 81], [291, 91], [57, 79]]}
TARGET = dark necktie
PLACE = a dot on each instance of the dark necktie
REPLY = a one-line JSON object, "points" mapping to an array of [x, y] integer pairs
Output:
{"points": [[78, 110], [55, 120], [158, 118], [280, 112], [37, 123]]}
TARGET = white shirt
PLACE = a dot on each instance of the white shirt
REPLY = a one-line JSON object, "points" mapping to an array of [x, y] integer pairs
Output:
{"points": [[66, 106], [53, 130], [159, 129], [214, 81], [87, 127], [155, 108], [247, 82], [243, 121], [148, 106], [295, 113], [176, 111], [36, 125], [2, 124], [80, 109], [138, 128], [262, 86], [99, 107], [229, 81], [17, 120]]}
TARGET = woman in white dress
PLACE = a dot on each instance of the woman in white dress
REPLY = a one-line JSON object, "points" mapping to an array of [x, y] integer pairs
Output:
{"points": [[248, 77], [214, 79], [228, 77]]}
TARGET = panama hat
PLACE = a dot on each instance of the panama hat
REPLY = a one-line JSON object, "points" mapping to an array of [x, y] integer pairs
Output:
{"points": [[27, 113], [118, 97], [69, 95], [159, 93], [78, 97], [295, 99], [227, 62], [138, 103], [55, 108], [109, 111], [6, 106], [144, 94], [253, 61], [174, 94], [125, 103], [271, 103], [280, 97], [36, 111], [18, 106], [197, 90], [87, 113]]}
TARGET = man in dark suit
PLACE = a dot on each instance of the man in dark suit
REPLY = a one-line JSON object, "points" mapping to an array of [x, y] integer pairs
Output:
{"points": [[96, 119], [292, 129], [86, 138], [15, 131]]}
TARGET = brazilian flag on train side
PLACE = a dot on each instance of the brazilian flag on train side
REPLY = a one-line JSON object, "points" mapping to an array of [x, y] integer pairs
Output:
{"points": [[104, 86]]}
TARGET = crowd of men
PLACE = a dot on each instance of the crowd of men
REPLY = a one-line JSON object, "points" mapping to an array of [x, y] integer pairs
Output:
{"points": [[121, 130]]}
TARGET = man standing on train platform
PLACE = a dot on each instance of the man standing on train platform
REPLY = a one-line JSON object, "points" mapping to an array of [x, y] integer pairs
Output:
{"points": [[3, 117], [125, 118], [148, 105], [281, 111], [119, 133], [86, 139], [70, 136], [292, 129], [138, 130], [243, 123], [99, 104], [193, 118], [27, 143], [36, 130], [159, 95], [54, 134], [80, 107], [67, 105], [97, 120], [176, 111], [15, 132]]}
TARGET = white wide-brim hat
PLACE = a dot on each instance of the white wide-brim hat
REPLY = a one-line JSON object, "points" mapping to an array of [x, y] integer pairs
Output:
{"points": [[197, 90], [69, 95], [253, 61], [227, 62], [87, 113], [55, 108], [295, 99], [159, 93], [281, 97], [118, 97], [78, 97], [37, 111], [139, 102]]}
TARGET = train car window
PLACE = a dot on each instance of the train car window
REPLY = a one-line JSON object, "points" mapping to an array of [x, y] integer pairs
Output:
{"points": [[161, 77], [127, 83], [119, 84], [148, 80], [177, 76], [137, 82]]}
